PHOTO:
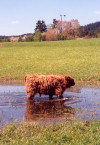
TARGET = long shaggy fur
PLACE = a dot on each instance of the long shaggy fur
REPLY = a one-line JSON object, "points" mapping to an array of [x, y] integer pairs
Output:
{"points": [[47, 85]]}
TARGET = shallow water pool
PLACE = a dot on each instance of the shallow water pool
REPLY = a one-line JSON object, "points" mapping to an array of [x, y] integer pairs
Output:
{"points": [[82, 104]]}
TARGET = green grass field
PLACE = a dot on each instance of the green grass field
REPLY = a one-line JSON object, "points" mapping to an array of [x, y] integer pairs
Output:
{"points": [[68, 133], [80, 58]]}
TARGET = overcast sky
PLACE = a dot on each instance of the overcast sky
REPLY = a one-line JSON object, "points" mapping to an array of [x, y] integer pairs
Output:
{"points": [[20, 16]]}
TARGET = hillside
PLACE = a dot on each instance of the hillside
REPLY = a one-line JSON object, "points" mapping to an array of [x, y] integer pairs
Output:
{"points": [[15, 38], [92, 29]]}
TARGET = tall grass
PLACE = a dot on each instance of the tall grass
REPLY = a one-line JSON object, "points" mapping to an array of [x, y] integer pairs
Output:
{"points": [[68, 133], [81, 58]]}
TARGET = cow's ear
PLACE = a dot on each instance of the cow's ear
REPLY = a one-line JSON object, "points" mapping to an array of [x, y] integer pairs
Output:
{"points": [[67, 77]]}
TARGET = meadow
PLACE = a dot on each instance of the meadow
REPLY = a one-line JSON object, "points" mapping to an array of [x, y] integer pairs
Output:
{"points": [[68, 133], [80, 58]]}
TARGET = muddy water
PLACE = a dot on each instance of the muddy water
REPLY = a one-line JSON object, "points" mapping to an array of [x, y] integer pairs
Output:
{"points": [[82, 104]]}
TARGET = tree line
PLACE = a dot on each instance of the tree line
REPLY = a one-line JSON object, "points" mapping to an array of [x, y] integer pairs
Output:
{"points": [[59, 30], [65, 30]]}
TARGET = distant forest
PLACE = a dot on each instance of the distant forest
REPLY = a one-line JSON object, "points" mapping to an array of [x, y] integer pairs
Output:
{"points": [[58, 30], [92, 30]]}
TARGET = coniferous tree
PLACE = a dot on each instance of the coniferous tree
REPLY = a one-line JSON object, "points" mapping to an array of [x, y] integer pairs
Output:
{"points": [[54, 23], [41, 26]]}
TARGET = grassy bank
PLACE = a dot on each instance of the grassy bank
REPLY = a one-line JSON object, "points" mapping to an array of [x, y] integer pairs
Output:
{"points": [[81, 58], [68, 133]]}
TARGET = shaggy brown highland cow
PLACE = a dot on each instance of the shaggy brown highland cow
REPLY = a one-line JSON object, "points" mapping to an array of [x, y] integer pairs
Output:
{"points": [[47, 85]]}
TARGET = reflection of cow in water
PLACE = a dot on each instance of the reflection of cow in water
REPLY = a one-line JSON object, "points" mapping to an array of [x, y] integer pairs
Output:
{"points": [[47, 85], [44, 110]]}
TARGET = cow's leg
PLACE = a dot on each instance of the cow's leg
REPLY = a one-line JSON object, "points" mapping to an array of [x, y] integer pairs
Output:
{"points": [[50, 96], [61, 96], [59, 92], [30, 95]]}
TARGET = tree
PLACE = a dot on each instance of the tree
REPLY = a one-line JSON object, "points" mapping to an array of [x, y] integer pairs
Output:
{"points": [[91, 30], [51, 35], [62, 30], [30, 38], [54, 23], [41, 26], [38, 36]]}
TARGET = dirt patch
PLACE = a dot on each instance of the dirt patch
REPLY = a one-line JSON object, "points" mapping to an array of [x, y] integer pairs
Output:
{"points": [[81, 84], [11, 81]]}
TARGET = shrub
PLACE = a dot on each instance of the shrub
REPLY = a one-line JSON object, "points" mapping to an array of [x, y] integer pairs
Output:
{"points": [[38, 36], [51, 35]]}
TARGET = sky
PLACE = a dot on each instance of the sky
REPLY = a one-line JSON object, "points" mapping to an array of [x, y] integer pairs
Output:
{"points": [[20, 16]]}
